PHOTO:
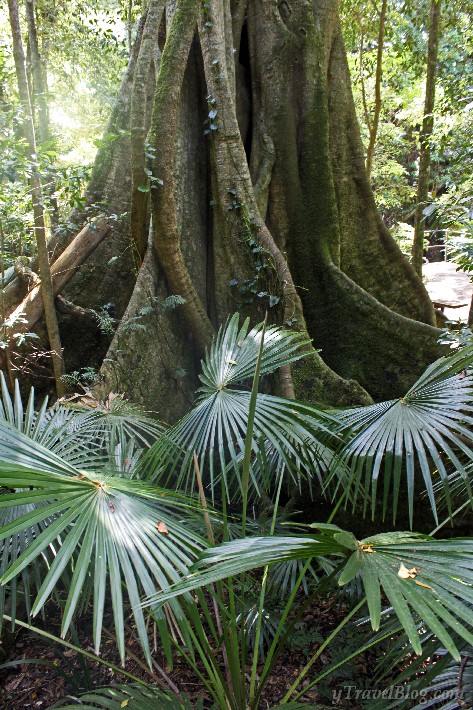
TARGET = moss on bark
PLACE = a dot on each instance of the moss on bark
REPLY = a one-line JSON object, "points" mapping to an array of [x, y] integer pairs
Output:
{"points": [[341, 275]]}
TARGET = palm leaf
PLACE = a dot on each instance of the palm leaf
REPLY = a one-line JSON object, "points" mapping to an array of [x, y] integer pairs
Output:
{"points": [[437, 586], [81, 435], [85, 439], [452, 688], [425, 433], [294, 434], [234, 352], [438, 682], [113, 533], [117, 419], [10, 550], [444, 684], [132, 697], [430, 675]]}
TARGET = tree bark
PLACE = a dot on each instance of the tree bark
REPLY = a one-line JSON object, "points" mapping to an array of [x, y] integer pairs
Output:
{"points": [[265, 204], [37, 201], [164, 132], [321, 207], [39, 79], [373, 125], [426, 135], [141, 185]]}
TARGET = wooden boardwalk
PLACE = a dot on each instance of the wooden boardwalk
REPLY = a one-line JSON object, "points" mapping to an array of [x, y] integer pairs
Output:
{"points": [[449, 289]]}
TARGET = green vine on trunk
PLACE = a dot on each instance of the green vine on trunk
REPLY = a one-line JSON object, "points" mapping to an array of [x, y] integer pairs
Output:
{"points": [[263, 288]]}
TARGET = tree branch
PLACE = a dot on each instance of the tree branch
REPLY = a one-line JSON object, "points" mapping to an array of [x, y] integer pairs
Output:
{"points": [[62, 271]]}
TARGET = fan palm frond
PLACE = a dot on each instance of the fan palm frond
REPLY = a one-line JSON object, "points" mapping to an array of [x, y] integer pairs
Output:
{"points": [[234, 351], [140, 697], [118, 418], [285, 575], [109, 531], [133, 697], [428, 677], [86, 439], [267, 619], [452, 687], [294, 434], [427, 432], [419, 575], [79, 434], [439, 682], [10, 549]]}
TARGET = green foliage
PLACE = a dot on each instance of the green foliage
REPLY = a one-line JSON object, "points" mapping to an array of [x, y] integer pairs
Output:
{"points": [[84, 52], [404, 566], [81, 509], [286, 433], [394, 172], [85, 377], [135, 697], [262, 287], [427, 427]]}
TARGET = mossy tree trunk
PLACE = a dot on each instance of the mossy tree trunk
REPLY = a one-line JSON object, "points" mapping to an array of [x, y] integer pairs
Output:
{"points": [[259, 201]]}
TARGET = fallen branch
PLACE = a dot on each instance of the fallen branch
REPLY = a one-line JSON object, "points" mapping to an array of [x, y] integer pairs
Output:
{"points": [[31, 308], [68, 308], [16, 291]]}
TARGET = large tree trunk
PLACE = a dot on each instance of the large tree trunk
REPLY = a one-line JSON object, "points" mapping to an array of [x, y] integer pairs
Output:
{"points": [[260, 201]]}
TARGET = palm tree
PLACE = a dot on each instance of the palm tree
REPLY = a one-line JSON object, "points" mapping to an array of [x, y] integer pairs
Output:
{"points": [[102, 505]]}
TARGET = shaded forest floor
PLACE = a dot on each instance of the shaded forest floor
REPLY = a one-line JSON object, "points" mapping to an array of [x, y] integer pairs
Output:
{"points": [[57, 672]]}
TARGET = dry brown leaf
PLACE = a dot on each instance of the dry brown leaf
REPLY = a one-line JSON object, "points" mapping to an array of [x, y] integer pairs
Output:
{"points": [[405, 573], [421, 584], [366, 548]]}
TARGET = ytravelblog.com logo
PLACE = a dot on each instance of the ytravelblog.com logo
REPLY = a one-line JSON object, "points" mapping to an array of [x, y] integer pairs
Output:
{"points": [[396, 692]]}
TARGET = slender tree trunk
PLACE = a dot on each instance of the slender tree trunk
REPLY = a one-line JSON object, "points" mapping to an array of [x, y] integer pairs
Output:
{"points": [[366, 112], [470, 313], [40, 97], [426, 134], [6, 345], [129, 24], [37, 201], [373, 126], [39, 80]]}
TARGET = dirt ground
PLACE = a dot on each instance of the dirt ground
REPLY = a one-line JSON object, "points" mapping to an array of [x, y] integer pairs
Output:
{"points": [[44, 672]]}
